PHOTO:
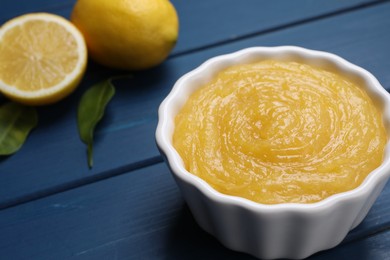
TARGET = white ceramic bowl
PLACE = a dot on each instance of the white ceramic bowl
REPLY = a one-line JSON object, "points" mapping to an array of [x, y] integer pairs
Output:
{"points": [[281, 230]]}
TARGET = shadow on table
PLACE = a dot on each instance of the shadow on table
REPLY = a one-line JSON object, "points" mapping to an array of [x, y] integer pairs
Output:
{"points": [[344, 251], [186, 240]]}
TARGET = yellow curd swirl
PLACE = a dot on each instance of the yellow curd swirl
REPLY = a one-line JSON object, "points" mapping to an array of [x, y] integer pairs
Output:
{"points": [[280, 132]]}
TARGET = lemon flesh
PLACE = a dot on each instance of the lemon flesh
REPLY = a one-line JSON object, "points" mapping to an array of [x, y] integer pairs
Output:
{"points": [[42, 58]]}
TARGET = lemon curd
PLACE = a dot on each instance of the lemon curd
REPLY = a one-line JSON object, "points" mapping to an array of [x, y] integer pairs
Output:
{"points": [[280, 132]]}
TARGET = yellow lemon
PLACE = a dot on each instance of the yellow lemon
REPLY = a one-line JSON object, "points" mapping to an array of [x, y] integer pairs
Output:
{"points": [[131, 35], [42, 58]]}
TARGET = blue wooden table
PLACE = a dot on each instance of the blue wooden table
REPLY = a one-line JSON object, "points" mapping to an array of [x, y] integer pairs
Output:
{"points": [[128, 206]]}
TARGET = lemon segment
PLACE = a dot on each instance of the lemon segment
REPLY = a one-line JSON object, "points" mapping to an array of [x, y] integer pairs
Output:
{"points": [[42, 58]]}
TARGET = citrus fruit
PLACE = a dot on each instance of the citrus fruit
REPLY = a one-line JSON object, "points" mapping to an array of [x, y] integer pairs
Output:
{"points": [[130, 35], [42, 58]]}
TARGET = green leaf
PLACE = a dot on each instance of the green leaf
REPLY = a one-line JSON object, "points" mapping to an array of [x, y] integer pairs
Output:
{"points": [[16, 122], [91, 110]]}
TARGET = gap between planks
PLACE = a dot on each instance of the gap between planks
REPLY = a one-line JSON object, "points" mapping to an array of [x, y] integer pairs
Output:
{"points": [[82, 182], [280, 27], [245, 36]]}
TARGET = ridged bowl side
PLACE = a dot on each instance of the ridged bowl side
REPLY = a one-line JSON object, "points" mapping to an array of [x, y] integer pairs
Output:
{"points": [[283, 230]]}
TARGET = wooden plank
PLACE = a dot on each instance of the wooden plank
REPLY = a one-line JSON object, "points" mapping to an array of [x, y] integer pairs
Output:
{"points": [[213, 22], [53, 159], [141, 215], [10, 9], [209, 22]]}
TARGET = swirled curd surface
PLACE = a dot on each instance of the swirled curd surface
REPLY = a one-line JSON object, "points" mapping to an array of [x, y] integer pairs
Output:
{"points": [[278, 132]]}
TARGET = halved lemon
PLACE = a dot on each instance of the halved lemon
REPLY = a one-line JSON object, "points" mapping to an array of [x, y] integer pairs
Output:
{"points": [[42, 58]]}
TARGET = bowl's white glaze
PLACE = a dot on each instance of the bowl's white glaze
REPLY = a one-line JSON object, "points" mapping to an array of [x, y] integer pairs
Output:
{"points": [[281, 230]]}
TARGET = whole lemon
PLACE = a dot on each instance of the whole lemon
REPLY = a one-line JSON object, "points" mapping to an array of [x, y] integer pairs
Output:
{"points": [[127, 34]]}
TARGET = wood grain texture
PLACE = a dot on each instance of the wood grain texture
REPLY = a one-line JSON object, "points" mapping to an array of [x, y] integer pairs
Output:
{"points": [[205, 23], [53, 158], [128, 206], [141, 215]]}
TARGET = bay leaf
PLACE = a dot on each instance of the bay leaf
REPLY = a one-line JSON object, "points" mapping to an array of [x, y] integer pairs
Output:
{"points": [[16, 122], [91, 110]]}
